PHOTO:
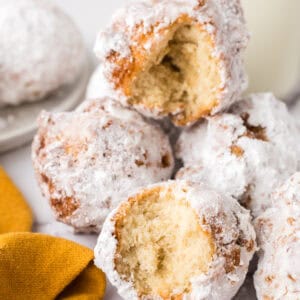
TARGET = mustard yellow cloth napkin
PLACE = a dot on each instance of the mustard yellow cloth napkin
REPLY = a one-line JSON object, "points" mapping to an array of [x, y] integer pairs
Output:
{"points": [[15, 214], [36, 266], [40, 267]]}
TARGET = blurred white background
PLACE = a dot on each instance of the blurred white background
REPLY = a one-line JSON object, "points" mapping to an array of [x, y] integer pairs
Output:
{"points": [[90, 15], [273, 56]]}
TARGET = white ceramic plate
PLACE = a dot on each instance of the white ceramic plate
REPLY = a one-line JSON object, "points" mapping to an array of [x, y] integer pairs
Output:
{"points": [[18, 123]]}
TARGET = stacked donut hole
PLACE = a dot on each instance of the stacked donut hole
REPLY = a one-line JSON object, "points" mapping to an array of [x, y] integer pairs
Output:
{"points": [[245, 152], [171, 75]]}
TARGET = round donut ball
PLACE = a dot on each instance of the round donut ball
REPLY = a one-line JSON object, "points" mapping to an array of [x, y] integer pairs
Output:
{"points": [[182, 59], [176, 240], [278, 229], [88, 161], [245, 153], [41, 50]]}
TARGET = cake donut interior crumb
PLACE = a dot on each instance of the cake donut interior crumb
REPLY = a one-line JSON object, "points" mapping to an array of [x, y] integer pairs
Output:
{"points": [[161, 243], [182, 77]]}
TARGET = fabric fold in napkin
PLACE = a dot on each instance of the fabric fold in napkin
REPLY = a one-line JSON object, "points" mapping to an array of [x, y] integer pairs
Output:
{"points": [[15, 214], [37, 266]]}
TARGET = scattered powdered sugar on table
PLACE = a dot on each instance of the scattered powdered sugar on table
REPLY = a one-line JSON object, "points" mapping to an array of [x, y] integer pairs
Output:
{"points": [[64, 231]]}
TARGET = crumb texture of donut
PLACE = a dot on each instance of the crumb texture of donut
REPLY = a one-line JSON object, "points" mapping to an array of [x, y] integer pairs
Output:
{"points": [[183, 79], [176, 240], [179, 59], [160, 253]]}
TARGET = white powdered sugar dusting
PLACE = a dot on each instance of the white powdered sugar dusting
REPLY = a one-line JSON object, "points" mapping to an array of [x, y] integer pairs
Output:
{"points": [[40, 50], [88, 161], [96, 87], [234, 233], [145, 16], [107, 105], [245, 153], [278, 229], [105, 252], [223, 20]]}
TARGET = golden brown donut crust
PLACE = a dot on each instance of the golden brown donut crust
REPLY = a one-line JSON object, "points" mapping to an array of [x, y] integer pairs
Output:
{"points": [[130, 47]]}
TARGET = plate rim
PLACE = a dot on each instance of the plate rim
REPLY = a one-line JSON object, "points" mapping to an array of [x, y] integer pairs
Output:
{"points": [[24, 134]]}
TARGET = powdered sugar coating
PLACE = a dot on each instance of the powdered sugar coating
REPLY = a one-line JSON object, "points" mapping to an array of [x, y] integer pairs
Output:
{"points": [[223, 20], [278, 229], [234, 233], [97, 87], [245, 153], [106, 105], [40, 50], [87, 162]]}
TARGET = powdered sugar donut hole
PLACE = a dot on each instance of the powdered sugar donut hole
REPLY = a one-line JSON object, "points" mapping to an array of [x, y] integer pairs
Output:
{"points": [[41, 50]]}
